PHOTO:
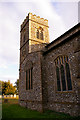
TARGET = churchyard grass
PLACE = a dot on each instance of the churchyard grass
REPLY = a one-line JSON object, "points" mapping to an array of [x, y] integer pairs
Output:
{"points": [[13, 110]]}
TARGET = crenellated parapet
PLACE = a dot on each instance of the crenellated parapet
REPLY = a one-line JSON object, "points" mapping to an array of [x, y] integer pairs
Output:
{"points": [[36, 19]]}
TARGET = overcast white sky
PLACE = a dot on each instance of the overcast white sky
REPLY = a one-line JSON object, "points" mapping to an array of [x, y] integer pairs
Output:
{"points": [[61, 17]]}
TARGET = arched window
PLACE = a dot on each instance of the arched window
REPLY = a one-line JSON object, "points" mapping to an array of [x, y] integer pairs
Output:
{"points": [[68, 77], [37, 34], [58, 79], [63, 74], [29, 79], [63, 78]]}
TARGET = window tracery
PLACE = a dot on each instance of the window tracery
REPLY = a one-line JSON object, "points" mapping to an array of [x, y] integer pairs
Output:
{"points": [[39, 33], [63, 74]]}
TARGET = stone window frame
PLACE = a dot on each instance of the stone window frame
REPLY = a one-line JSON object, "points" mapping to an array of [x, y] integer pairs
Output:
{"points": [[62, 60], [40, 33], [29, 75], [29, 79]]}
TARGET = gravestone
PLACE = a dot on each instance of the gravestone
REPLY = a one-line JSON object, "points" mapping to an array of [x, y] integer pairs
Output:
{"points": [[5, 100]]}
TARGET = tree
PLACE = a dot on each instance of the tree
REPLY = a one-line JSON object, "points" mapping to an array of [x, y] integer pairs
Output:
{"points": [[4, 86], [8, 88], [17, 86], [0, 87]]}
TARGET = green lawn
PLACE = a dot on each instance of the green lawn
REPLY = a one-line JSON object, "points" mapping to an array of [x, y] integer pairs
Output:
{"points": [[13, 110]]}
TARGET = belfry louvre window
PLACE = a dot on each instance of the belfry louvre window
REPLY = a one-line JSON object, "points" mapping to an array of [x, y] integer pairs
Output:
{"points": [[29, 79], [39, 33], [63, 74]]}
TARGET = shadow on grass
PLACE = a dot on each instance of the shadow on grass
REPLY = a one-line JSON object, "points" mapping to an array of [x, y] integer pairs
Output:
{"points": [[13, 111]]}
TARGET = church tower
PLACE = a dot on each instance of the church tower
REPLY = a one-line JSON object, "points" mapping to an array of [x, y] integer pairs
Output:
{"points": [[34, 35]]}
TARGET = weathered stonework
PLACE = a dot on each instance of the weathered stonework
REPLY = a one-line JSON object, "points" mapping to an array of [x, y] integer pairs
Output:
{"points": [[61, 101], [39, 55]]}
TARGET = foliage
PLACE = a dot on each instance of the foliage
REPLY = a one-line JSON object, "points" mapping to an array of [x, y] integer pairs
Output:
{"points": [[8, 88], [0, 87], [17, 86]]}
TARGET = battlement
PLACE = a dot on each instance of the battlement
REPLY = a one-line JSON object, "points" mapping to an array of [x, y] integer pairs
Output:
{"points": [[24, 22], [36, 19]]}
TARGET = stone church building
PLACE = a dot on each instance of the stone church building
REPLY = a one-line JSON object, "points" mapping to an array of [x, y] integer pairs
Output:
{"points": [[49, 74]]}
